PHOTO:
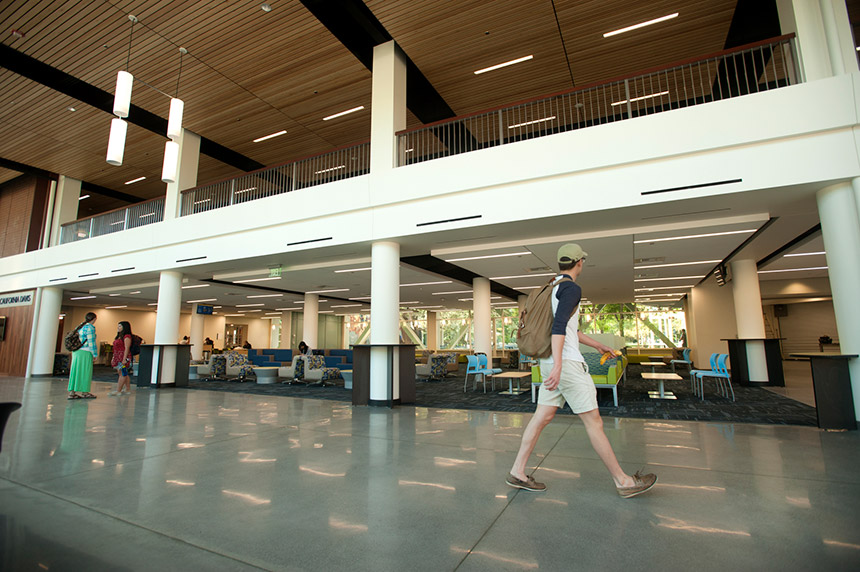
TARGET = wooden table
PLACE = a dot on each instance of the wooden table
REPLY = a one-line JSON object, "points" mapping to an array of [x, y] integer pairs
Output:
{"points": [[661, 377], [510, 376], [653, 364]]}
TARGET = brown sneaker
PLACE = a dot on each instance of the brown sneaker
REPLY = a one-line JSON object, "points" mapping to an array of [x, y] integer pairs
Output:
{"points": [[641, 484], [530, 484]]}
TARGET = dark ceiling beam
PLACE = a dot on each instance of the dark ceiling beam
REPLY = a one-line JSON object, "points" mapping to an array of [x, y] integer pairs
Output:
{"points": [[458, 273], [356, 27], [86, 185], [278, 290], [60, 81], [789, 245]]}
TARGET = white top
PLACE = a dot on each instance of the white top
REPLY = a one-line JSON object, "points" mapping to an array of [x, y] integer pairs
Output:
{"points": [[571, 349]]}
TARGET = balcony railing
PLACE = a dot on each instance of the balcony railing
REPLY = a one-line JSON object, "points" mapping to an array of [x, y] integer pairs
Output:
{"points": [[752, 68], [317, 170], [140, 214]]}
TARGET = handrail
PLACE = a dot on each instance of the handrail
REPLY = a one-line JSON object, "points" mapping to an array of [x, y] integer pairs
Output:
{"points": [[721, 53], [755, 67], [341, 163], [124, 218]]}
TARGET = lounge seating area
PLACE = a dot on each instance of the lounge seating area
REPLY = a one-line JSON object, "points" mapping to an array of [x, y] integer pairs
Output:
{"points": [[319, 369]]}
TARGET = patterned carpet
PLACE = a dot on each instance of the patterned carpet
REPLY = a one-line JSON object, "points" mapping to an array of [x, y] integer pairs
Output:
{"points": [[753, 404]]}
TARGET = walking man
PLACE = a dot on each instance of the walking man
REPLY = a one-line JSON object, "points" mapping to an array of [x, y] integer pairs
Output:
{"points": [[565, 378]]}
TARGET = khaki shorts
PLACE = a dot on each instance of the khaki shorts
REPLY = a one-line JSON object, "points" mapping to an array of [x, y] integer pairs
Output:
{"points": [[576, 388]]}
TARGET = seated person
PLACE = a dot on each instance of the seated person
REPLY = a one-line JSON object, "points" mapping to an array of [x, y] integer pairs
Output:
{"points": [[304, 349], [208, 342], [247, 345], [185, 341]]}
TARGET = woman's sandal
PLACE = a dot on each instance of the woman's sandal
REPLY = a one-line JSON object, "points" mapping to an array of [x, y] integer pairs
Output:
{"points": [[74, 396], [88, 395]]}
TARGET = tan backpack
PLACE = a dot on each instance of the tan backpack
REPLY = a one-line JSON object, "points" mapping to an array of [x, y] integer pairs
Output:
{"points": [[534, 335]]}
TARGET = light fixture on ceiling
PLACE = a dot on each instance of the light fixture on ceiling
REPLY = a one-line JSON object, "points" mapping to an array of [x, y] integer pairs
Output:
{"points": [[721, 274], [82, 298], [676, 264], [689, 236], [121, 106], [195, 286], [427, 283], [82, 197], [174, 131], [522, 276], [342, 113], [270, 136], [524, 123], [504, 64], [793, 269], [488, 256], [133, 181], [321, 171], [70, 108], [351, 270], [668, 278], [806, 253], [640, 98], [640, 25], [327, 291], [256, 280]]}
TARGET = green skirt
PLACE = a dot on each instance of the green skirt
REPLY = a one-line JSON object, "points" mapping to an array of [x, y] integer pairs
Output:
{"points": [[81, 371]]}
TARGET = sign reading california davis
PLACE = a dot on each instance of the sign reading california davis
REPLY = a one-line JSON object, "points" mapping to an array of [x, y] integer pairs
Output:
{"points": [[17, 299]]}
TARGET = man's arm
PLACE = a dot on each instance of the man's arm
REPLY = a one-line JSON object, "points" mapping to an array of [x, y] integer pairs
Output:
{"points": [[583, 339], [551, 381]]}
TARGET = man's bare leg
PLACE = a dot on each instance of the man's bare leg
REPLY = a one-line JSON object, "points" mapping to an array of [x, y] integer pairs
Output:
{"points": [[594, 427], [543, 415]]}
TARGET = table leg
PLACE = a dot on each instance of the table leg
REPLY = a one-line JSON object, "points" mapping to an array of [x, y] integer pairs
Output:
{"points": [[662, 390]]}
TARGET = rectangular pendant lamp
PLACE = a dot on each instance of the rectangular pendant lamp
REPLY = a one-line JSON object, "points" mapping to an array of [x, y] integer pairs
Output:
{"points": [[174, 120], [116, 142], [171, 162], [122, 98]]}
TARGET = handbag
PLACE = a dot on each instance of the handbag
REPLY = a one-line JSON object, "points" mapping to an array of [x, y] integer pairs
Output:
{"points": [[72, 340]]}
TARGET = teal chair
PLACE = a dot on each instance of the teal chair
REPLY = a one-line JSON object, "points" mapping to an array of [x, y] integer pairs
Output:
{"points": [[695, 373], [474, 369], [685, 359]]}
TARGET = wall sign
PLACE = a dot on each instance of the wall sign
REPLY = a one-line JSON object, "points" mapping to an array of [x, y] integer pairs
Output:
{"points": [[207, 310], [17, 299]]}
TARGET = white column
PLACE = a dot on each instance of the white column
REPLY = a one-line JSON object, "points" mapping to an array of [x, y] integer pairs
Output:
{"points": [[310, 320], [432, 330], [384, 316], [388, 111], [186, 173], [66, 202], [749, 317], [481, 321], [840, 40], [167, 323], [286, 329], [42, 357], [840, 229], [803, 17], [197, 321]]}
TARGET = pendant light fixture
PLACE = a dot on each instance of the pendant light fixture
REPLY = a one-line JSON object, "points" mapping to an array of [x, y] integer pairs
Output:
{"points": [[174, 131], [121, 106]]}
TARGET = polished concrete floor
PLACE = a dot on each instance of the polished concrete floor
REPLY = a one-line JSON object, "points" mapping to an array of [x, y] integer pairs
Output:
{"points": [[198, 480]]}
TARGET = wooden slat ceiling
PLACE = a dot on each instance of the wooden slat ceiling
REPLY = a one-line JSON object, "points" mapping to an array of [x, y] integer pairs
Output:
{"points": [[249, 73]]}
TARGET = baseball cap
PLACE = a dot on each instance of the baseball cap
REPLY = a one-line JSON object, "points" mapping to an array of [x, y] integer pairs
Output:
{"points": [[570, 252]]}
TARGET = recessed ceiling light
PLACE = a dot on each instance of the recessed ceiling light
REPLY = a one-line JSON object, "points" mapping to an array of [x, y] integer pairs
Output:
{"points": [[114, 307], [82, 298], [361, 298], [153, 304], [137, 180], [471, 299], [424, 307], [640, 25], [135, 292], [248, 305], [453, 292], [206, 300], [661, 288], [488, 256], [806, 253], [522, 276], [793, 269], [348, 306], [117, 294], [670, 278], [427, 283], [524, 123], [528, 287], [245, 190], [639, 98], [286, 309], [265, 7], [256, 280], [265, 296], [342, 113], [351, 270], [648, 240], [195, 286], [70, 108], [82, 197], [505, 64], [278, 134], [320, 172], [678, 264], [326, 291]]}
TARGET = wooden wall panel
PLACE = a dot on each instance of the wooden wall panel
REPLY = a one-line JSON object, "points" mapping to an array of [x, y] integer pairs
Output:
{"points": [[15, 348], [16, 204]]}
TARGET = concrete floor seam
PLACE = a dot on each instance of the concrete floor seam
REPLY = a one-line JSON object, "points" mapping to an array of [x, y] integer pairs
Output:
{"points": [[517, 492], [134, 524]]}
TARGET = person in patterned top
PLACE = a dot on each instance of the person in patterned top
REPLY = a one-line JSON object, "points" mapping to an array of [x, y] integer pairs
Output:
{"points": [[81, 369], [121, 360]]}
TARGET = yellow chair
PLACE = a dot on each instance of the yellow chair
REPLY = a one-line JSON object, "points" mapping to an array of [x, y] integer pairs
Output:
{"points": [[536, 380]]}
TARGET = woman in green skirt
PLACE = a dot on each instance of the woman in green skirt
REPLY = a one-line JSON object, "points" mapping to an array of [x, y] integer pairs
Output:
{"points": [[81, 370]]}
